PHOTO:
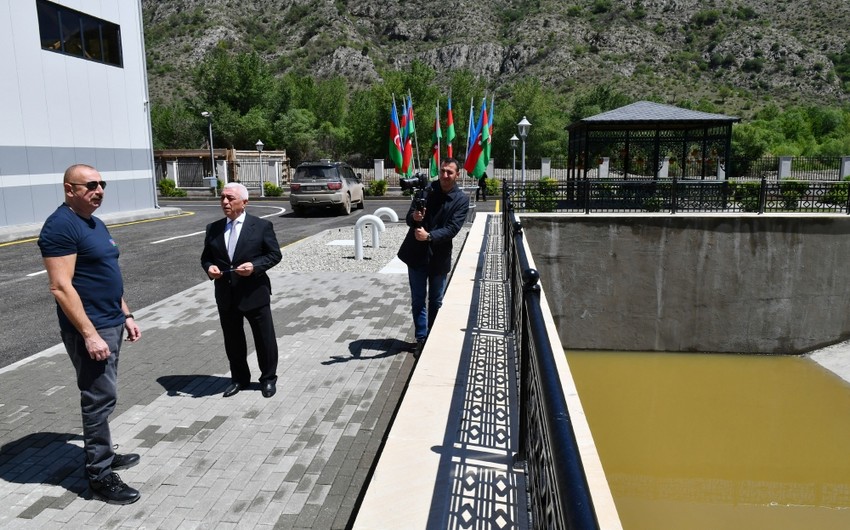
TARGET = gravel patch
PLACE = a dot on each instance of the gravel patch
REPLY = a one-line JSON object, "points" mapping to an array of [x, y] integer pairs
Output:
{"points": [[333, 250]]}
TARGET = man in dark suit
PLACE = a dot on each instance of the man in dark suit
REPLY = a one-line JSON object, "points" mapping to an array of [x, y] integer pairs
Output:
{"points": [[238, 250]]}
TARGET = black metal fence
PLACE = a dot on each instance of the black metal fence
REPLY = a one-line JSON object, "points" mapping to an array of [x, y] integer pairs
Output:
{"points": [[757, 196], [559, 496]]}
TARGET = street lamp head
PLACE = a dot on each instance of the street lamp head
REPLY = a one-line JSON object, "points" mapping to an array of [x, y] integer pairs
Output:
{"points": [[524, 126], [259, 145], [206, 114], [514, 141]]}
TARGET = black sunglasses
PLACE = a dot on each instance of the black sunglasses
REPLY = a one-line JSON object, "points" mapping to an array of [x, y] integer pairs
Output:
{"points": [[91, 185]]}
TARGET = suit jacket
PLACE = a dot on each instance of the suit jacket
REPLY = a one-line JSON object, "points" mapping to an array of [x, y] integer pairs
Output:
{"points": [[258, 244]]}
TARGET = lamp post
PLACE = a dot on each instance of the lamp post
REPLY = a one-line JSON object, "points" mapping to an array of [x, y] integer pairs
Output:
{"points": [[259, 146], [524, 125], [514, 144], [208, 116]]}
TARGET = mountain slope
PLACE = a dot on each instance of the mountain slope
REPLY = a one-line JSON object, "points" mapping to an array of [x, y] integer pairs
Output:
{"points": [[734, 53]]}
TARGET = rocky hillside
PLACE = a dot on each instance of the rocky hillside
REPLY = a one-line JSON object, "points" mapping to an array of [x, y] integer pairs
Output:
{"points": [[735, 53]]}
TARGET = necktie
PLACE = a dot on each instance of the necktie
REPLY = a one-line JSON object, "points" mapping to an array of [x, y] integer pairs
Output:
{"points": [[231, 241]]}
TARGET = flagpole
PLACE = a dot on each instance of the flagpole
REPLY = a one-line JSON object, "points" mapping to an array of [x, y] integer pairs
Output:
{"points": [[449, 144], [434, 166], [415, 136], [469, 129], [439, 137]]}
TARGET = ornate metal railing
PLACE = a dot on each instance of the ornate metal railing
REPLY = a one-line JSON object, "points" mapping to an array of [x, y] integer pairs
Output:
{"points": [[655, 195], [559, 496]]}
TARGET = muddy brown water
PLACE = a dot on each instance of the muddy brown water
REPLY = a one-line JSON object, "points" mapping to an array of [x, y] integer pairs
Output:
{"points": [[717, 441]]}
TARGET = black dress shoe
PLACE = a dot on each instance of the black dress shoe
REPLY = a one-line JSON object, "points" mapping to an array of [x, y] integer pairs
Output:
{"points": [[233, 389], [120, 462], [268, 389], [113, 490]]}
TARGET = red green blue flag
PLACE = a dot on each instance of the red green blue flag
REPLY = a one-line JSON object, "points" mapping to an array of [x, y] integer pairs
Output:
{"points": [[475, 164], [395, 140], [435, 144], [450, 129]]}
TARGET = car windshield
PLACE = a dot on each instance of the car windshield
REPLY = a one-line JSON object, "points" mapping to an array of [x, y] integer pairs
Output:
{"points": [[315, 173]]}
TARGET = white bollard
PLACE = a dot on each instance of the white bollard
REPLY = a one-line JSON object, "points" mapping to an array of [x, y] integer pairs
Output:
{"points": [[377, 227], [389, 212]]}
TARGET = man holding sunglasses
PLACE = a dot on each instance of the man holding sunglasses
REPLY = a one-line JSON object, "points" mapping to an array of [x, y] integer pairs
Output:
{"points": [[81, 259]]}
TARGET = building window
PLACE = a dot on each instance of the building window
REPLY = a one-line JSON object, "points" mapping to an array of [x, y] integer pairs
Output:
{"points": [[70, 32]]}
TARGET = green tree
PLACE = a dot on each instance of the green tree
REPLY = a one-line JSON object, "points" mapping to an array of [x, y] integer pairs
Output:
{"points": [[297, 131], [368, 122], [241, 92], [598, 99], [544, 108], [176, 126]]}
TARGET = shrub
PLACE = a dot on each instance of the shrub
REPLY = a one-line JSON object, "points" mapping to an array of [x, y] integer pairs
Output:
{"points": [[542, 197], [792, 190], [167, 188], [746, 194], [376, 188], [493, 187], [837, 194], [271, 189]]}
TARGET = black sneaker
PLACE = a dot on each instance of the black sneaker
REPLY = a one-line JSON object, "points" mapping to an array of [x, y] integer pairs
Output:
{"points": [[113, 490], [127, 461]]}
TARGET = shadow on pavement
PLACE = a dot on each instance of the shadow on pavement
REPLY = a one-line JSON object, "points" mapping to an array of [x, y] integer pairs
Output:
{"points": [[364, 349], [45, 458], [194, 385]]}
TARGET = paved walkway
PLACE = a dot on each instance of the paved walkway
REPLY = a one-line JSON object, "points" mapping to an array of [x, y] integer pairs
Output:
{"points": [[298, 460], [448, 460]]}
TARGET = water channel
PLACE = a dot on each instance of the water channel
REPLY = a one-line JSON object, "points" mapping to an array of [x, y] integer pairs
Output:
{"points": [[710, 441]]}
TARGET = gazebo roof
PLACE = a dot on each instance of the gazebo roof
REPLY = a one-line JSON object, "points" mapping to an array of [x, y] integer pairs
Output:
{"points": [[644, 113]]}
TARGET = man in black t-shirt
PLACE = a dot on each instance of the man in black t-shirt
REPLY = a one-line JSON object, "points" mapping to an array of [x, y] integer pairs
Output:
{"points": [[81, 259]]}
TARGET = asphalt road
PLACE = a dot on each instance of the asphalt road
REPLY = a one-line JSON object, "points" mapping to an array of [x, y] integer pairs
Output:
{"points": [[159, 258]]}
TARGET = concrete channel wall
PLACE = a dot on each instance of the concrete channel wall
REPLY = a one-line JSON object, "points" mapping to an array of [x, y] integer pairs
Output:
{"points": [[773, 284]]}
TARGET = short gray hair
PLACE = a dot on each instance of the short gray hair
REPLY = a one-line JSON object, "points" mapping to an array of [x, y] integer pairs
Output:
{"points": [[241, 190]]}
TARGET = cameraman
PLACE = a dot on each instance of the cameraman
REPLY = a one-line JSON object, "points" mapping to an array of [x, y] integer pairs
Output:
{"points": [[427, 248]]}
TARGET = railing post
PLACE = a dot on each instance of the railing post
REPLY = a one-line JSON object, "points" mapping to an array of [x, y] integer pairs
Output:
{"points": [[762, 195], [674, 195], [516, 242], [585, 195], [530, 284], [847, 206]]}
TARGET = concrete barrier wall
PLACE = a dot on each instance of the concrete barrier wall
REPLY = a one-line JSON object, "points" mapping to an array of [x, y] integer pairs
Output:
{"points": [[724, 283]]}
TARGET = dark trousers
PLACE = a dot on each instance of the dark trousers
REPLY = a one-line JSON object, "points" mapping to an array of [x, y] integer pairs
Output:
{"points": [[236, 347], [98, 384], [481, 190]]}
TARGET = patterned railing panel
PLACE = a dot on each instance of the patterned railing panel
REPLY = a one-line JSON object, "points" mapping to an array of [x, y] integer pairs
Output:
{"points": [[559, 496], [786, 195]]}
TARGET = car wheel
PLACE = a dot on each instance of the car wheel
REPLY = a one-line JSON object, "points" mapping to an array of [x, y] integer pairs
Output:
{"points": [[345, 208], [362, 203], [298, 210]]}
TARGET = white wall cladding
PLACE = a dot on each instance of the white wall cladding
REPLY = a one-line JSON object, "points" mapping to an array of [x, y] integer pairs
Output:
{"points": [[58, 110]]}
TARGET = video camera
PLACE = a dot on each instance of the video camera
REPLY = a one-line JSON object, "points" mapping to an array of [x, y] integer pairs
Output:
{"points": [[418, 182]]}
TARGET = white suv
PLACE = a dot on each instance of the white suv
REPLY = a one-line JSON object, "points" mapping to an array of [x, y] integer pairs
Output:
{"points": [[328, 184]]}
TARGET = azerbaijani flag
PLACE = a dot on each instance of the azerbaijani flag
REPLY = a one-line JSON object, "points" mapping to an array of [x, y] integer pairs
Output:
{"points": [[487, 143], [435, 141], [450, 129], [475, 164], [395, 139], [407, 132]]}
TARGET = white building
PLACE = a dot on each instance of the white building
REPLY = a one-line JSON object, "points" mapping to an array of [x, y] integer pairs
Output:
{"points": [[73, 89]]}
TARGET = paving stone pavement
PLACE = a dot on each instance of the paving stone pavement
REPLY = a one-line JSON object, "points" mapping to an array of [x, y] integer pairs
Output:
{"points": [[297, 460]]}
